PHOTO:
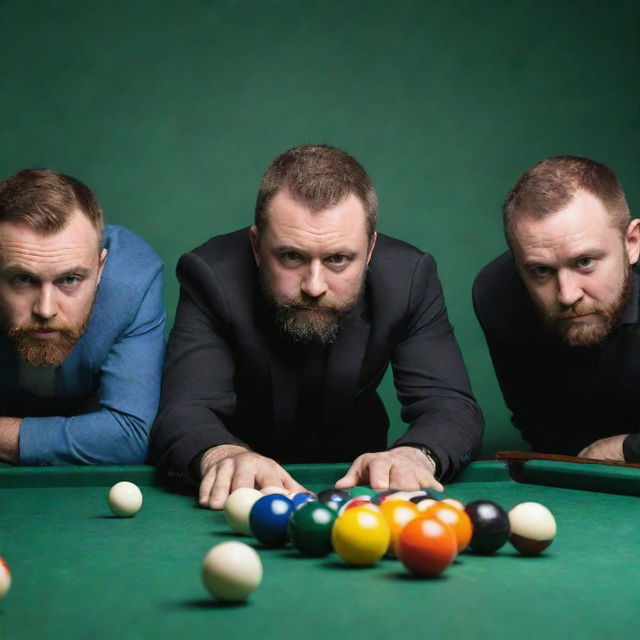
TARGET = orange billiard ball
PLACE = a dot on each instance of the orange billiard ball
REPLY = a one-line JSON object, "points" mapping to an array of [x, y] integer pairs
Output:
{"points": [[398, 513], [427, 546], [456, 518]]}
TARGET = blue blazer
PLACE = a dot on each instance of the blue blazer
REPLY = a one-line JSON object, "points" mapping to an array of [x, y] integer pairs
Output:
{"points": [[109, 385]]}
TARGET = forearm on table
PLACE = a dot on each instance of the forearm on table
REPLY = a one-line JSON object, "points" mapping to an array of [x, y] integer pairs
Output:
{"points": [[10, 439], [102, 437]]}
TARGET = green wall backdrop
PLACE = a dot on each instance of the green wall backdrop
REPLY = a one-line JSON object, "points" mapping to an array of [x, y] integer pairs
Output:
{"points": [[170, 110]]}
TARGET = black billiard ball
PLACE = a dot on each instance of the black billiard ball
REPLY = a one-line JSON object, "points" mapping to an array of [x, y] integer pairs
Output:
{"points": [[490, 526], [333, 498]]}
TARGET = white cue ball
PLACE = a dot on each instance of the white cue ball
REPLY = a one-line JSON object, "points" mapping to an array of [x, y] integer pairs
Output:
{"points": [[237, 508], [5, 578], [423, 505], [125, 499], [532, 527], [231, 571]]}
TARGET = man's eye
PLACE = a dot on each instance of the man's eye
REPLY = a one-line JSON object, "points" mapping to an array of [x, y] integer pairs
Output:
{"points": [[540, 272], [22, 280], [69, 282], [338, 259], [585, 263], [290, 257]]}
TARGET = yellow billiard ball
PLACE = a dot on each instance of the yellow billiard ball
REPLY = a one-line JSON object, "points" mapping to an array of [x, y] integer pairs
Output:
{"points": [[360, 536]]}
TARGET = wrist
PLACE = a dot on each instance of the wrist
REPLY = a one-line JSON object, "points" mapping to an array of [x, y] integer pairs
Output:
{"points": [[432, 458]]}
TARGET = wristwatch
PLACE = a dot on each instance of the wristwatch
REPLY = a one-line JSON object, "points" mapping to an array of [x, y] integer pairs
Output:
{"points": [[432, 457]]}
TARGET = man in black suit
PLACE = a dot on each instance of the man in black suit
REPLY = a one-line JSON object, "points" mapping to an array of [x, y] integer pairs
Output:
{"points": [[560, 311], [284, 331]]}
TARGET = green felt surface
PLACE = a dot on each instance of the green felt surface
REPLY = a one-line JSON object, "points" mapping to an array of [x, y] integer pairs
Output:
{"points": [[81, 573]]}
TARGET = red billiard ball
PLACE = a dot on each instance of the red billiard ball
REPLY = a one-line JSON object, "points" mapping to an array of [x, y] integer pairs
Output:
{"points": [[427, 546]]}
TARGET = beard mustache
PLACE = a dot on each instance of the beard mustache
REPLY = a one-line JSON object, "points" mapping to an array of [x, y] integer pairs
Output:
{"points": [[52, 352], [586, 334], [305, 319]]}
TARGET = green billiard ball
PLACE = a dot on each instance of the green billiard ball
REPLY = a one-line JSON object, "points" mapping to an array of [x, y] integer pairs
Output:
{"points": [[310, 528], [362, 491]]}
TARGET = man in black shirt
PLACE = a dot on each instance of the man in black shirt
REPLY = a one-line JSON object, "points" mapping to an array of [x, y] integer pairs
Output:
{"points": [[284, 331], [560, 311]]}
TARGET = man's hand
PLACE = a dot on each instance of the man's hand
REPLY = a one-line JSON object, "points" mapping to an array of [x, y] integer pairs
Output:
{"points": [[605, 449], [10, 439], [402, 468], [228, 467]]}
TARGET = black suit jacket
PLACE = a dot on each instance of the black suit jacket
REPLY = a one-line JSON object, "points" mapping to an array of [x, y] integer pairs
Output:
{"points": [[230, 377], [562, 398]]}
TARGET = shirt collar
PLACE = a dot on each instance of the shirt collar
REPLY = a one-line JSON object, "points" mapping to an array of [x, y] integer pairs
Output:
{"points": [[630, 313]]}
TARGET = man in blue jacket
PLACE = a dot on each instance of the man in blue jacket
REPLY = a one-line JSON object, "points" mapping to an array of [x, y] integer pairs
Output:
{"points": [[81, 328]]}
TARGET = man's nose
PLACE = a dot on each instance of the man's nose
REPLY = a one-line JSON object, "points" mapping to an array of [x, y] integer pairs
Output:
{"points": [[569, 289], [314, 283], [45, 305]]}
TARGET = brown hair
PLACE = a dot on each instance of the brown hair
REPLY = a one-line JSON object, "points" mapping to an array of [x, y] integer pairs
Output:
{"points": [[551, 184], [319, 176], [45, 200]]}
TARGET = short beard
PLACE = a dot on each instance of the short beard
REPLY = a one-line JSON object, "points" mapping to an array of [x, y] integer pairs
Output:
{"points": [[577, 334], [305, 319], [37, 352]]}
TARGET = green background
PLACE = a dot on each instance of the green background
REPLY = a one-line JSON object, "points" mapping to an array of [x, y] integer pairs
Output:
{"points": [[171, 110]]}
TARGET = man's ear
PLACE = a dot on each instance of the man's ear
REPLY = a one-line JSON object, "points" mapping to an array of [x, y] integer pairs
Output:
{"points": [[632, 240], [372, 244], [103, 261], [253, 236]]}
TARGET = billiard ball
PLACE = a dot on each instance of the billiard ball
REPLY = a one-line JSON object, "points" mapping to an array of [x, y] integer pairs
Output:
{"points": [[425, 504], [456, 518], [301, 498], [5, 578], [355, 502], [490, 526], [427, 546], [268, 519], [360, 501], [383, 495], [237, 508], [333, 498], [310, 528], [231, 571], [533, 528], [354, 492], [124, 499], [397, 513], [360, 536], [454, 503]]}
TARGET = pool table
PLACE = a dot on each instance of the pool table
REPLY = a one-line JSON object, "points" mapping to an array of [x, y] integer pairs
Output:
{"points": [[79, 572]]}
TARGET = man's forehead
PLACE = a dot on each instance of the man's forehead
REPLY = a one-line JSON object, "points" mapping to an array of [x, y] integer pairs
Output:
{"points": [[22, 245], [287, 216]]}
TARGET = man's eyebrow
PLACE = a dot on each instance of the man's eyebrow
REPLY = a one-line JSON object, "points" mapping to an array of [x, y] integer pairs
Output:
{"points": [[336, 251], [13, 268]]}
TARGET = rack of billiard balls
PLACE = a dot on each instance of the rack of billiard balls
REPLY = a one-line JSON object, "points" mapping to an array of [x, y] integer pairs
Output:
{"points": [[362, 526]]}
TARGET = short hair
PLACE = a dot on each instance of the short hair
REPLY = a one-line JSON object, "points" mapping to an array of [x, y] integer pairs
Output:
{"points": [[45, 200], [318, 176], [550, 185]]}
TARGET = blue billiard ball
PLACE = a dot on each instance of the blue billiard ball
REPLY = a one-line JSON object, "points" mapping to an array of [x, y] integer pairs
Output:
{"points": [[269, 518], [299, 499]]}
